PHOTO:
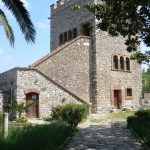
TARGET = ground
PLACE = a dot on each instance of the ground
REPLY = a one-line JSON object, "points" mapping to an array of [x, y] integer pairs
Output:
{"points": [[105, 133]]}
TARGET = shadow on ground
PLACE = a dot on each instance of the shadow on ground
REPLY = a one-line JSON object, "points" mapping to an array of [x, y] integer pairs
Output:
{"points": [[105, 136]]}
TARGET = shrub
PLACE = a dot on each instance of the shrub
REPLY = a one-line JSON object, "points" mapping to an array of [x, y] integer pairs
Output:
{"points": [[140, 124], [71, 113], [131, 120], [57, 113], [22, 120], [143, 114]]}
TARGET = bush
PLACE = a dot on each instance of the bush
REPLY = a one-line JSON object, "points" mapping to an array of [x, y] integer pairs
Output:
{"points": [[140, 124], [143, 115], [57, 113], [22, 120], [71, 113]]}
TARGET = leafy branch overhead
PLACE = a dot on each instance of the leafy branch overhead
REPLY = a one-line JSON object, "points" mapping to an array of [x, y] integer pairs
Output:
{"points": [[22, 16], [130, 19]]}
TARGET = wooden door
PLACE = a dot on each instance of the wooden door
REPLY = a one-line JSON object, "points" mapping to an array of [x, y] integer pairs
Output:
{"points": [[117, 99], [32, 101]]}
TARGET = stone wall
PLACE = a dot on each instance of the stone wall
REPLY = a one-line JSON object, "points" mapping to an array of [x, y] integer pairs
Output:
{"points": [[50, 94], [109, 79], [1, 101], [70, 66], [65, 18], [8, 86]]}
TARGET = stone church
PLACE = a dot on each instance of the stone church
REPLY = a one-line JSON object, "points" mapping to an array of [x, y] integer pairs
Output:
{"points": [[85, 65]]}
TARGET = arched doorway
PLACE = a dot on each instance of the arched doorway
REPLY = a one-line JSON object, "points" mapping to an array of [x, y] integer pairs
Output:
{"points": [[32, 101]]}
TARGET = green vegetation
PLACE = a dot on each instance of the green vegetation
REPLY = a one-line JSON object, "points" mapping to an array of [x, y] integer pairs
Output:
{"points": [[24, 136], [146, 81], [120, 115], [22, 17], [1, 121], [140, 124], [20, 108], [1, 118], [22, 120], [43, 137], [128, 18], [115, 116], [71, 113]]}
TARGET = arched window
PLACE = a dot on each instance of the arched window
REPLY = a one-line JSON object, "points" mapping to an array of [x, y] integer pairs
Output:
{"points": [[65, 37], [115, 62], [121, 63], [74, 33], [127, 64], [70, 35], [61, 39]]}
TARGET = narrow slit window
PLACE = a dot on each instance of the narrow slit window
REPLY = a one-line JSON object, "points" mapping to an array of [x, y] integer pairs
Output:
{"points": [[61, 39], [127, 64], [74, 33], [65, 37], [121, 63], [115, 62], [70, 35], [86, 29]]}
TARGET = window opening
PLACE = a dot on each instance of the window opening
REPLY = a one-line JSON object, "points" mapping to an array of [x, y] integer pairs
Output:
{"points": [[115, 62], [121, 63]]}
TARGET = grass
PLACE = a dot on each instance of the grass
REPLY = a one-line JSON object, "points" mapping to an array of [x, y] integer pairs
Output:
{"points": [[43, 137], [115, 116], [121, 115]]}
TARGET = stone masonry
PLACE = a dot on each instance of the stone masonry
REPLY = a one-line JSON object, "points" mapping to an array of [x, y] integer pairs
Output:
{"points": [[69, 66], [103, 79], [1, 101], [80, 67], [50, 95], [65, 18]]}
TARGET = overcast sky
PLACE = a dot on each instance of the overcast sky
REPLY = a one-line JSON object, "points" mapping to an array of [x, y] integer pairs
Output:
{"points": [[23, 54]]}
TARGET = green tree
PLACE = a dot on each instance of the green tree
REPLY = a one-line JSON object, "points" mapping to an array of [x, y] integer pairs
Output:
{"points": [[128, 18], [146, 82], [16, 7], [20, 107]]}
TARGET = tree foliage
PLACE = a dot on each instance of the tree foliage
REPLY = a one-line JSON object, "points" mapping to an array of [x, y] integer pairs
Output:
{"points": [[146, 81], [128, 18], [142, 57], [22, 16]]}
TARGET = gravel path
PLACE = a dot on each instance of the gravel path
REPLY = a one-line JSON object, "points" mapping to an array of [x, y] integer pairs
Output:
{"points": [[106, 135]]}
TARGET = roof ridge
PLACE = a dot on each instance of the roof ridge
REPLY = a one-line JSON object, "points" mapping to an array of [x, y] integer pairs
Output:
{"points": [[55, 51]]}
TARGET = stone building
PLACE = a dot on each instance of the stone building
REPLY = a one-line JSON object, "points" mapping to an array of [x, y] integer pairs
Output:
{"points": [[85, 65]]}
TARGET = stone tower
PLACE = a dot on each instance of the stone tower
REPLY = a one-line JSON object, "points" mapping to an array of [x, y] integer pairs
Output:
{"points": [[85, 65], [114, 80]]}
